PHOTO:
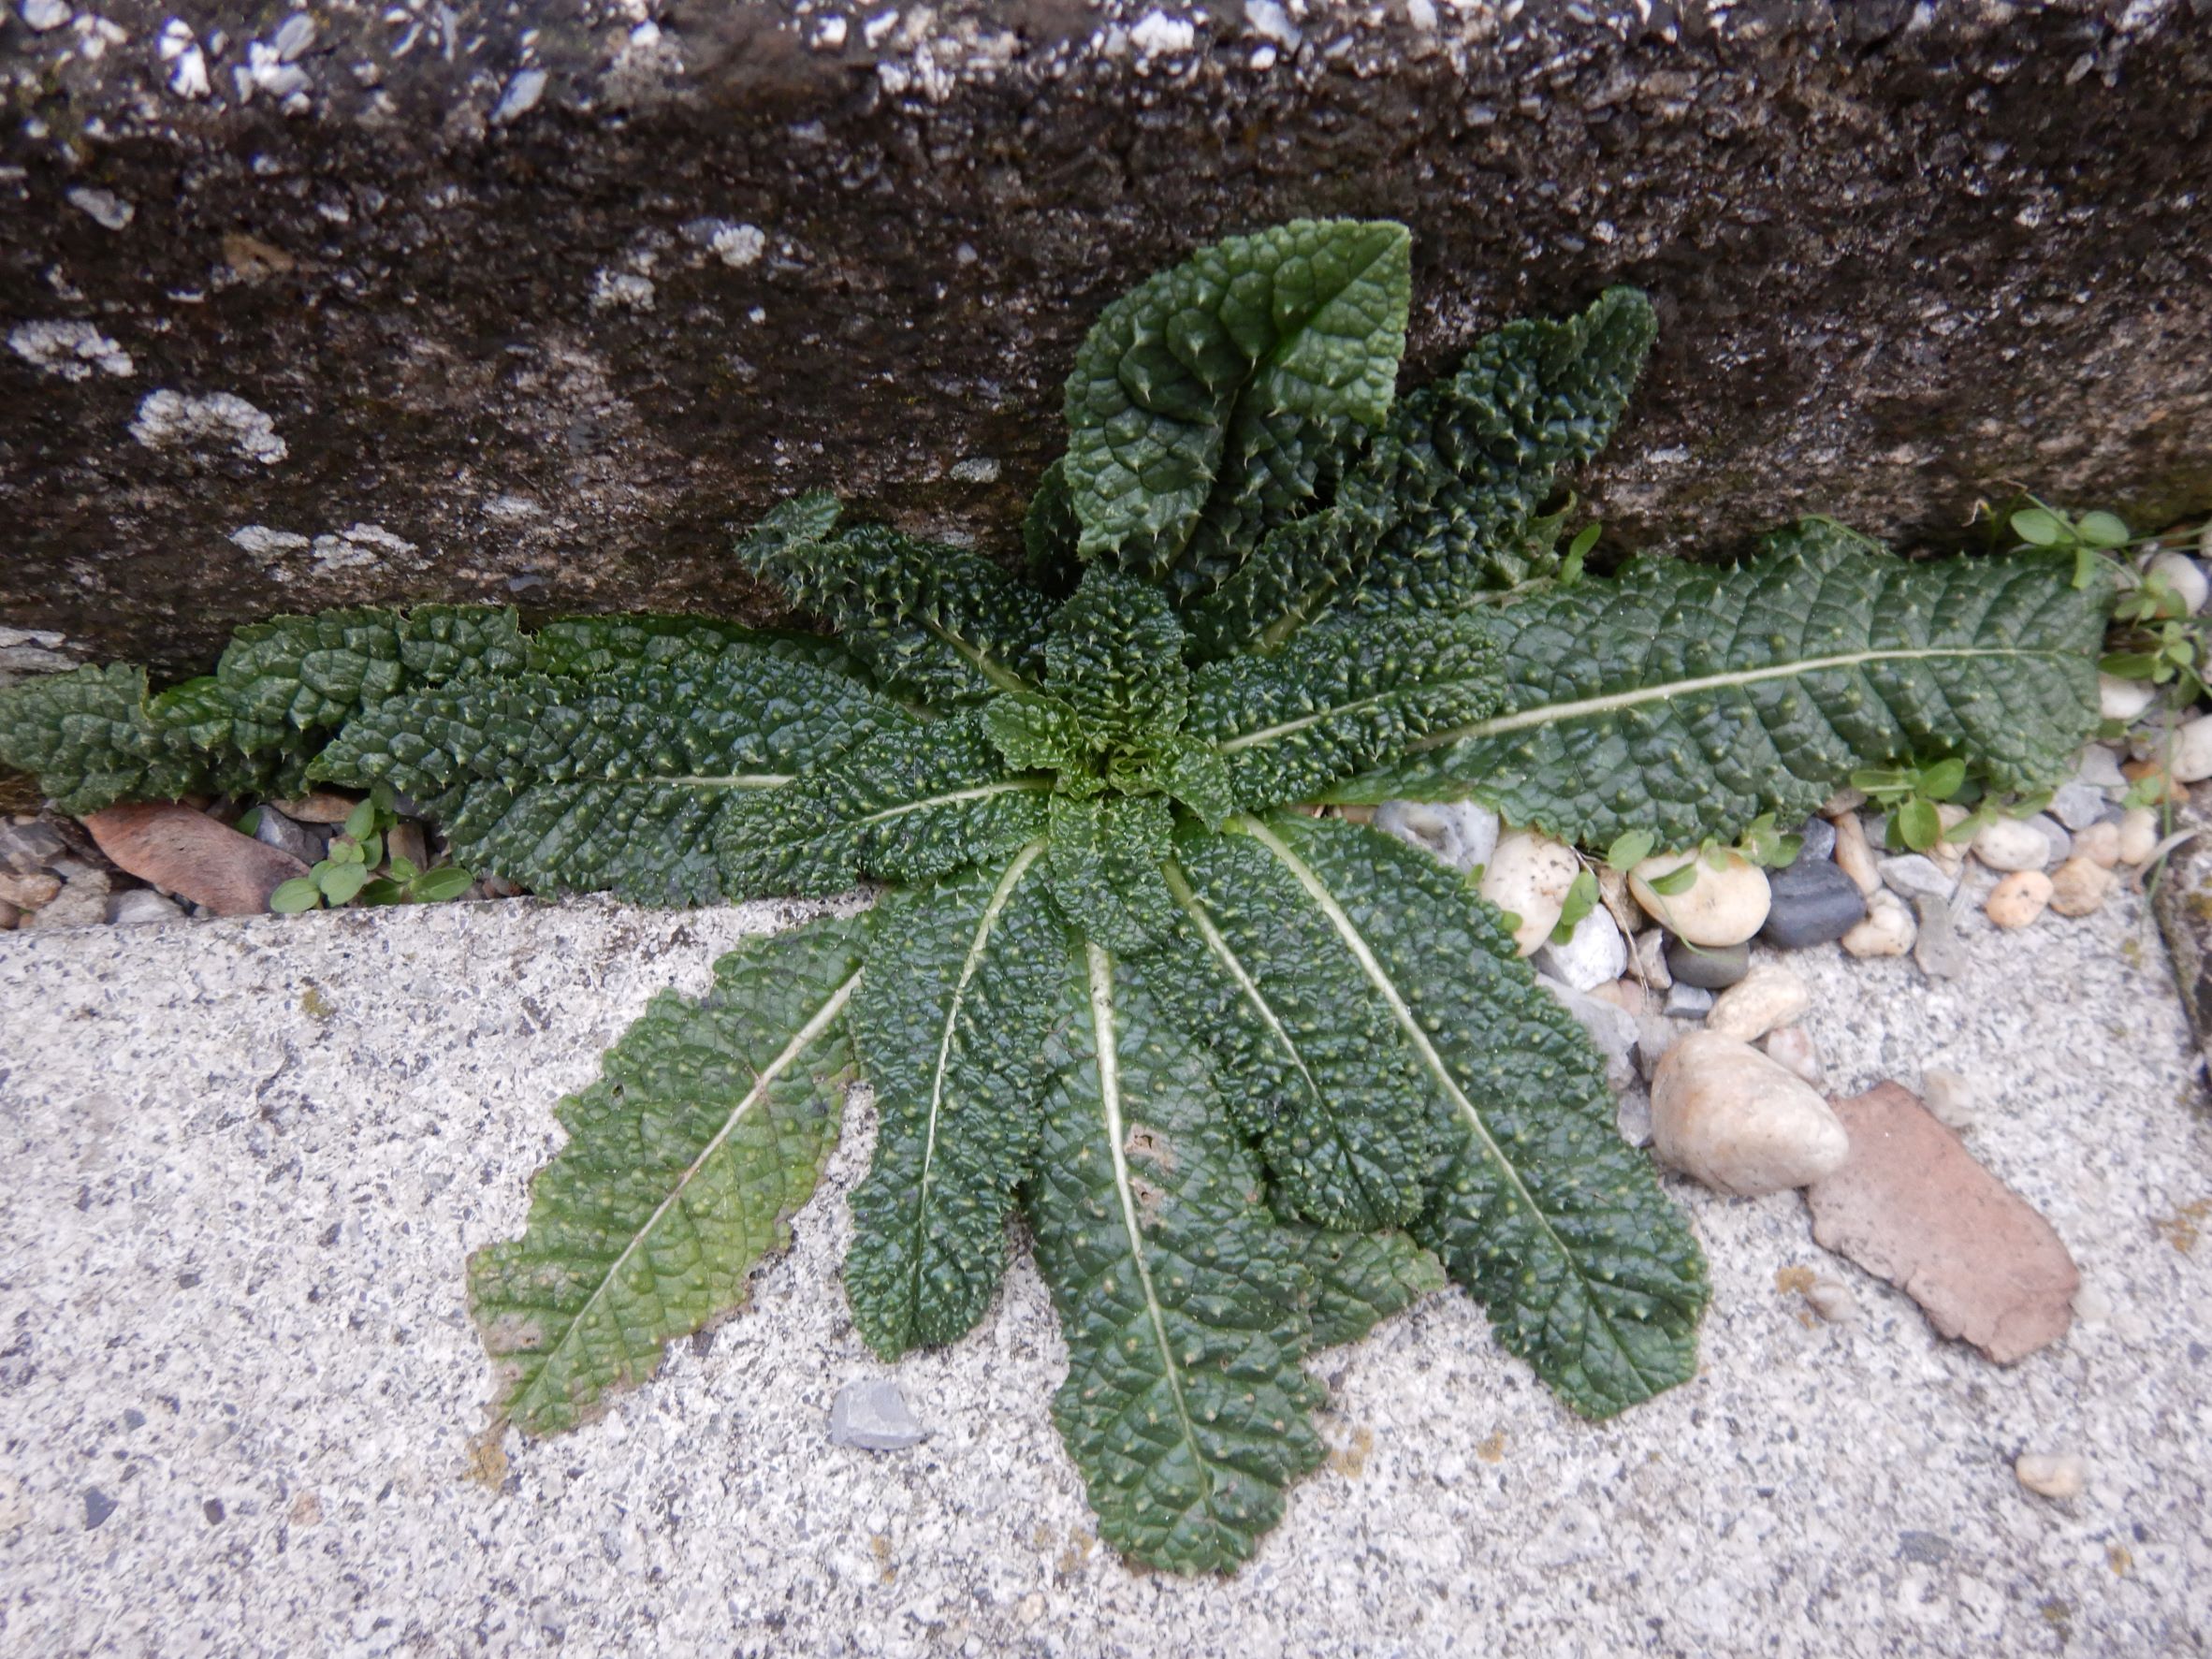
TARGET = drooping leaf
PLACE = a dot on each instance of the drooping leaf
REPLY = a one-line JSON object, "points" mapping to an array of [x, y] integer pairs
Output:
{"points": [[1436, 509], [1540, 1209], [929, 619], [1182, 1303], [316, 671], [1360, 1279], [705, 1132], [1317, 1079], [88, 737], [1688, 701], [1104, 867], [911, 803], [576, 647], [1203, 403], [620, 781], [963, 985], [1341, 701]]}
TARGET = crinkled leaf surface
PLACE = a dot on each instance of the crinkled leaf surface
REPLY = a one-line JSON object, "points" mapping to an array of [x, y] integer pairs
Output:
{"points": [[1203, 403], [705, 1132], [964, 982], [621, 781], [87, 738], [317, 671], [1360, 1279], [1182, 1303], [1104, 867], [1540, 1209], [912, 802], [574, 648], [1687, 701], [1114, 656], [1341, 701]]}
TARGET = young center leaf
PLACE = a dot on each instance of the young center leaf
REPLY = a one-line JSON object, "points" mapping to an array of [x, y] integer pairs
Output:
{"points": [[705, 1132]]}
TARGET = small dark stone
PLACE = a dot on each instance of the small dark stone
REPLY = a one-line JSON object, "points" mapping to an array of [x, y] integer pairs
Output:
{"points": [[98, 1505], [187, 1279], [1929, 1548], [134, 1419], [1938, 950], [273, 829], [1709, 968], [1811, 904], [1817, 842], [212, 1509]]}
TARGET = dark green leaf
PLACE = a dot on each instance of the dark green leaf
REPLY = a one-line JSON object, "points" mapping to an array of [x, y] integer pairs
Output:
{"points": [[1362, 1279], [705, 1132], [962, 984], [1114, 655], [1104, 867], [1182, 1303]]}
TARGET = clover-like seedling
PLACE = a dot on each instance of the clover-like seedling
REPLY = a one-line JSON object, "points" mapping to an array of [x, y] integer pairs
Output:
{"points": [[355, 868], [1253, 1077]]}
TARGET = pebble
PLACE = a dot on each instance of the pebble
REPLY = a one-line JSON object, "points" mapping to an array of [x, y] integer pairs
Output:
{"points": [[2013, 844], [1528, 876], [2052, 1474], [2138, 834], [1914, 875], [2099, 844], [273, 829], [2192, 759], [1832, 1302], [2123, 699], [28, 892], [1463, 833], [2185, 577], [2152, 773], [141, 904], [1949, 1096], [1655, 1035], [1887, 931], [2077, 805], [83, 903], [1816, 838], [1592, 955], [9, 916], [1768, 996], [1650, 959], [2099, 767], [2079, 886], [2054, 833], [1849, 798], [1633, 1117], [320, 808], [1937, 949], [2019, 898], [1949, 854], [405, 840], [98, 1505], [171, 846], [1721, 906], [1624, 994], [1688, 1002], [1810, 905], [1610, 1029], [1854, 856], [26, 849], [871, 1412], [1726, 1114], [1791, 1047], [1708, 969]]}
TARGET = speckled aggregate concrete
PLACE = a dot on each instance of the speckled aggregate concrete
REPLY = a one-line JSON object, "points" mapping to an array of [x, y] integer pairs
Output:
{"points": [[246, 1161]]}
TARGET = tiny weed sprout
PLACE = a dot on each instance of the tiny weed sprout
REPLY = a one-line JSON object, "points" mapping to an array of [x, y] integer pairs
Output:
{"points": [[1255, 1078]]}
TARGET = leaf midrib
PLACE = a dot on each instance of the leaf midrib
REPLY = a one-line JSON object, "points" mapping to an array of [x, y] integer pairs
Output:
{"points": [[807, 1035]]}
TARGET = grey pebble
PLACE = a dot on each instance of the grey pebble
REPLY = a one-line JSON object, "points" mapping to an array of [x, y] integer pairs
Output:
{"points": [[1915, 876], [286, 835], [98, 1505], [2078, 806], [142, 905], [2055, 833], [1688, 1002], [25, 849], [1937, 949], [1711, 967], [2100, 768], [871, 1412], [1810, 905], [1609, 1026], [294, 37], [1817, 843]]}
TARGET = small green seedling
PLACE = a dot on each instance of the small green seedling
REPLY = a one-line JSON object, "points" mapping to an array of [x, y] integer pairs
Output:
{"points": [[349, 872]]}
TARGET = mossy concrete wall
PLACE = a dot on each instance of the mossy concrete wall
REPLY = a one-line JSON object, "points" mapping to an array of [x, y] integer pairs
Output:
{"points": [[536, 302]]}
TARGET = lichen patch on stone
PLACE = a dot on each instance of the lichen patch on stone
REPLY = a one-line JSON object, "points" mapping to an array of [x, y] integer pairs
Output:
{"points": [[170, 420], [72, 350]]}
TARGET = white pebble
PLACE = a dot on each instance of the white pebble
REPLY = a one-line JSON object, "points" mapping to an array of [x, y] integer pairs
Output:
{"points": [[1949, 1097], [2012, 844], [2123, 699], [1854, 856], [1528, 877], [2100, 765], [1768, 996], [2052, 1474], [1833, 1302], [1592, 955], [1721, 906], [1726, 1114], [1888, 930], [2138, 834], [1914, 875], [1791, 1047], [2192, 751], [2185, 578], [1650, 959], [1463, 833], [2019, 898]]}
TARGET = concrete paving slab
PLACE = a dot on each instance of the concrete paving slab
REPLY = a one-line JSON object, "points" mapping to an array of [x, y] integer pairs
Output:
{"points": [[239, 1396]]}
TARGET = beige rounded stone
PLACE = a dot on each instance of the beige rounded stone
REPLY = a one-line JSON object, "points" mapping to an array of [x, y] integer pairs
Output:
{"points": [[2190, 760], [1949, 1097], [2012, 844], [2099, 844], [1721, 906], [2079, 886], [1726, 1114], [1854, 856], [1791, 1047], [2138, 834], [2184, 576], [1528, 876], [1768, 996], [1888, 930], [2052, 1474], [2019, 898]]}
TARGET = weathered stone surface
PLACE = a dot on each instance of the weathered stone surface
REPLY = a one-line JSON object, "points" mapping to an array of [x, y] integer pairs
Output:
{"points": [[1913, 1205], [535, 302]]}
